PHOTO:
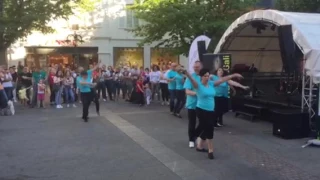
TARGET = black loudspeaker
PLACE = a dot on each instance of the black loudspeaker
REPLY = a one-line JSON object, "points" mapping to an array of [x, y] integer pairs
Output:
{"points": [[287, 49], [201, 49], [290, 124]]}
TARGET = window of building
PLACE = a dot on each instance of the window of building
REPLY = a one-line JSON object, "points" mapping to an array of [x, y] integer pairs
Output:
{"points": [[162, 56], [128, 20], [128, 57]]}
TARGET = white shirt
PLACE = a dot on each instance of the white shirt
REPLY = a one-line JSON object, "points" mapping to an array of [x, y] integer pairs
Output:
{"points": [[155, 76], [163, 75], [9, 83]]}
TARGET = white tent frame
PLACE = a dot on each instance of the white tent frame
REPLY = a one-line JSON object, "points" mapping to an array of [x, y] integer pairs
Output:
{"points": [[279, 18]]}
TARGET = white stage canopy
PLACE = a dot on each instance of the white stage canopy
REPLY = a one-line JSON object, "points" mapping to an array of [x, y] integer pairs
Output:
{"points": [[243, 41]]}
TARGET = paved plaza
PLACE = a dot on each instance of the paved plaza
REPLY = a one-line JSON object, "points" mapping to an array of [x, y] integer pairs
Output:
{"points": [[128, 142]]}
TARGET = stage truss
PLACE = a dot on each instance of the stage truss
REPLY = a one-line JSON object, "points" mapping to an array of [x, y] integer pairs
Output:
{"points": [[309, 97]]}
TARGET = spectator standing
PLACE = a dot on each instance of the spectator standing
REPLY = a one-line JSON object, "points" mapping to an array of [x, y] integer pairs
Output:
{"points": [[26, 82], [14, 76], [37, 74]]}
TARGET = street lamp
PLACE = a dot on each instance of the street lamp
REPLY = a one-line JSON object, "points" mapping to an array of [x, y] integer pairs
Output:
{"points": [[75, 39]]}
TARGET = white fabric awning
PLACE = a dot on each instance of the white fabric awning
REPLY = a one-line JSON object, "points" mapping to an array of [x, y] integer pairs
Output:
{"points": [[243, 42]]}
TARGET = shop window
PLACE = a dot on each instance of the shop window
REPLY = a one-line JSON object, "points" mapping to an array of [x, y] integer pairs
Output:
{"points": [[128, 57], [162, 56]]}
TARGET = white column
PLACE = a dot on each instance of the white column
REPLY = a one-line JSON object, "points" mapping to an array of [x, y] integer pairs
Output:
{"points": [[146, 56], [183, 60]]}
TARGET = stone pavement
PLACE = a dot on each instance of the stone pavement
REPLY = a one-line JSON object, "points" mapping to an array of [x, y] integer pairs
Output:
{"points": [[132, 143]]}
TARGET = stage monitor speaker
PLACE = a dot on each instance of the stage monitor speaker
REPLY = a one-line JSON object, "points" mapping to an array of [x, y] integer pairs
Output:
{"points": [[208, 61], [290, 124], [287, 48], [215, 61], [201, 49]]}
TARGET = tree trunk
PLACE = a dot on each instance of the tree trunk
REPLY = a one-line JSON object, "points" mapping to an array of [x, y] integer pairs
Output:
{"points": [[3, 57]]}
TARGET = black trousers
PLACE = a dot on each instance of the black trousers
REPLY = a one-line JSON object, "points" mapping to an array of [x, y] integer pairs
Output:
{"points": [[109, 84], [206, 121], [140, 97], [172, 100], [101, 87], [192, 118], [164, 91], [52, 95], [181, 100], [95, 99], [221, 107], [86, 98]]}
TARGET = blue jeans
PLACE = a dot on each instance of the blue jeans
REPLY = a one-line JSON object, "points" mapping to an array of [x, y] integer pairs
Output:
{"points": [[69, 94], [3, 99], [58, 96], [34, 96], [172, 93], [9, 92]]}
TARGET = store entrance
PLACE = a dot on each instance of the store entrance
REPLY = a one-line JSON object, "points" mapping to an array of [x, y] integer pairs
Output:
{"points": [[65, 59]]}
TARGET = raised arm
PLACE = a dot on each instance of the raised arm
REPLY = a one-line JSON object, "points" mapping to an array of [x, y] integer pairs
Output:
{"points": [[96, 66], [192, 80], [236, 84], [226, 78]]}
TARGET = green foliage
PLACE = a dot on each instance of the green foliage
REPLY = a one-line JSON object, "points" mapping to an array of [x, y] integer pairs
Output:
{"points": [[175, 23], [310, 6], [20, 17]]}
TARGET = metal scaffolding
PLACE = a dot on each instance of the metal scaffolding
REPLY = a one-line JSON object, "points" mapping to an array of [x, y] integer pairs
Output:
{"points": [[309, 96]]}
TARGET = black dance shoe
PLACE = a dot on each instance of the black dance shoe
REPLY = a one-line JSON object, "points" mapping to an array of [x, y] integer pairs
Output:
{"points": [[210, 155], [202, 150]]}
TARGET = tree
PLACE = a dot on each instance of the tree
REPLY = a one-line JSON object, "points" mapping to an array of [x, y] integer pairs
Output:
{"points": [[18, 18], [175, 23], [310, 6]]}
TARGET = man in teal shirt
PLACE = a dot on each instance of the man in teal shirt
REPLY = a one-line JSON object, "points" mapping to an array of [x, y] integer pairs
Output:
{"points": [[172, 85], [179, 92], [191, 103], [37, 74]]}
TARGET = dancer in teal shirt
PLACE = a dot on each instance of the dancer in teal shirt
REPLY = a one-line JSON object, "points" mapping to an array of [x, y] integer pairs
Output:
{"points": [[180, 93], [205, 92], [222, 95], [191, 103], [171, 75]]}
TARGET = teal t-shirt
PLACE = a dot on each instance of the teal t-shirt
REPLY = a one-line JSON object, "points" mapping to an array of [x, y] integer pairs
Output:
{"points": [[205, 96], [223, 89], [191, 102], [89, 74], [171, 74], [179, 81], [83, 88], [38, 75]]}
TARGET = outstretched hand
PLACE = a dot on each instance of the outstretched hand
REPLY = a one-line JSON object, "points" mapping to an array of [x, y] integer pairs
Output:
{"points": [[236, 75]]}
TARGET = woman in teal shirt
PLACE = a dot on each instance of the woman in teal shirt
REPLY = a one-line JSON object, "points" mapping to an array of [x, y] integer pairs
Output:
{"points": [[180, 92], [84, 83], [222, 95], [205, 91]]}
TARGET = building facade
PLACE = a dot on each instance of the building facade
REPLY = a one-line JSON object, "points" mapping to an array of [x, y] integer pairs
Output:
{"points": [[117, 45], [107, 28]]}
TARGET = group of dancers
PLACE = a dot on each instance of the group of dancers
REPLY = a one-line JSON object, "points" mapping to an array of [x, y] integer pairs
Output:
{"points": [[207, 100]]}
